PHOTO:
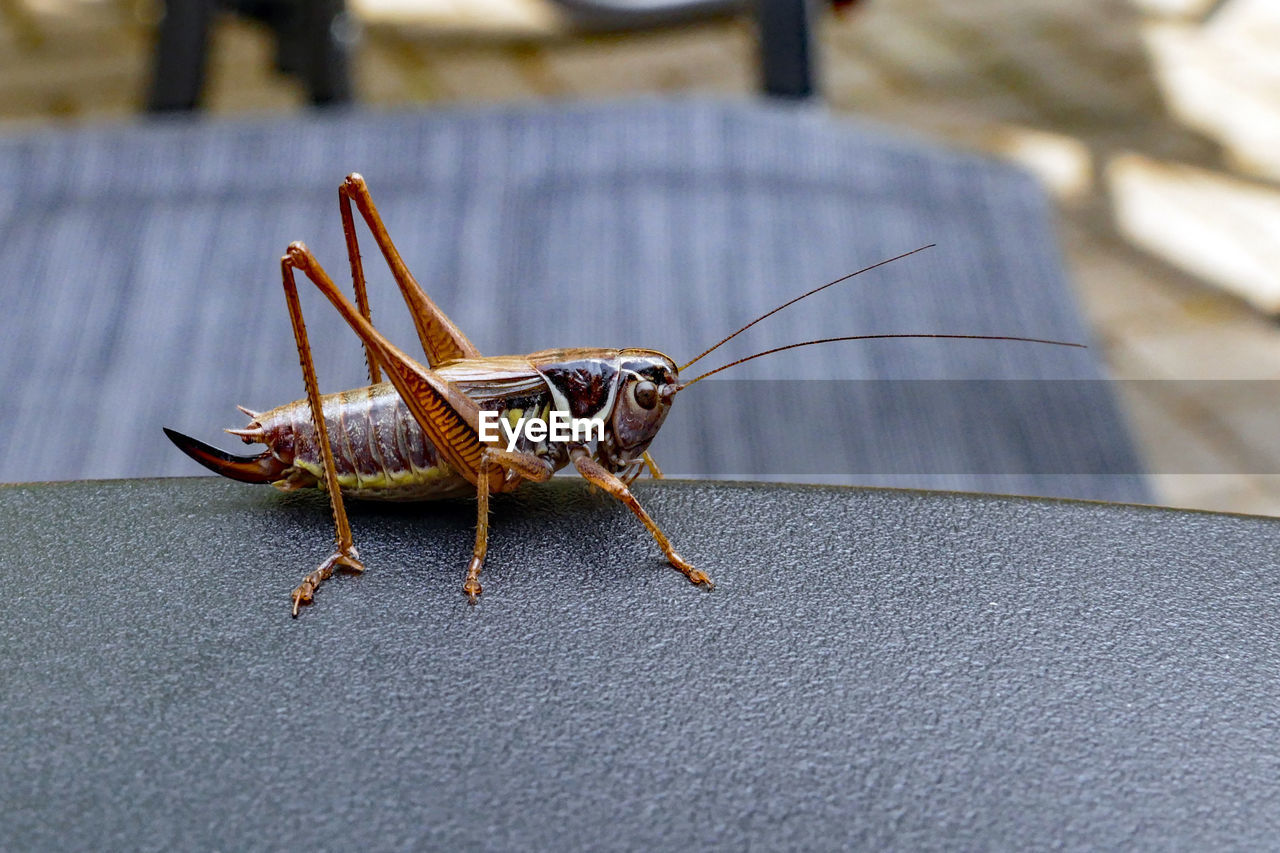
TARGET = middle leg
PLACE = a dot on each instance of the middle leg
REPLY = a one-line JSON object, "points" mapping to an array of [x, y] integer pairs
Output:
{"points": [[528, 467]]}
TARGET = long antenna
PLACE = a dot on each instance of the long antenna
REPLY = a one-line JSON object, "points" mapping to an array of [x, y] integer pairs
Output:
{"points": [[876, 337], [798, 298]]}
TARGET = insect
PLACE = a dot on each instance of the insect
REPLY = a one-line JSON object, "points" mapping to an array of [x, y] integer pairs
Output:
{"points": [[419, 435]]}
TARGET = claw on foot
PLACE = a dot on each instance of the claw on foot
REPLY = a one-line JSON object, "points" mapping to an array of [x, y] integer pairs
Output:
{"points": [[471, 588], [701, 579], [307, 589], [695, 576]]}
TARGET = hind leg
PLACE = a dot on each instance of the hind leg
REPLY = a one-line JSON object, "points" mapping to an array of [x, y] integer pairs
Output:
{"points": [[344, 553], [441, 340]]}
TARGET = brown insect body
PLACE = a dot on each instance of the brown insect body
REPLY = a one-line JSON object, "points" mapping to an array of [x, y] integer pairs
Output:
{"points": [[381, 453], [418, 436]]}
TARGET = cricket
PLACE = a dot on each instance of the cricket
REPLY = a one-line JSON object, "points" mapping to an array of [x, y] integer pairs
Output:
{"points": [[425, 433]]}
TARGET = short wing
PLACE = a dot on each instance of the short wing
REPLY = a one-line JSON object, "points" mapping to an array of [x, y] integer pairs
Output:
{"points": [[491, 382]]}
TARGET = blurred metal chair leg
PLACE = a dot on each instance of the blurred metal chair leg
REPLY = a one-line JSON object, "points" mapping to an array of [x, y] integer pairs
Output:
{"points": [[784, 29], [787, 50], [182, 46], [312, 42]]}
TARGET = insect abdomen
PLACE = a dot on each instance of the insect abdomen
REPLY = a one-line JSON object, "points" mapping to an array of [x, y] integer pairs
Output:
{"points": [[379, 451]]}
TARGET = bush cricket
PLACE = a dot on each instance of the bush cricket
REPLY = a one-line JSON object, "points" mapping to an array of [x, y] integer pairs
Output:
{"points": [[418, 436]]}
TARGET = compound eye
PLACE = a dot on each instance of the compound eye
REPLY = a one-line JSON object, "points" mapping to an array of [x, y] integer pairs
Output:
{"points": [[645, 394]]}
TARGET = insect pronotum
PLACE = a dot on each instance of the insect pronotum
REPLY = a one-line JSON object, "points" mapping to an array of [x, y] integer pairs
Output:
{"points": [[419, 437]]}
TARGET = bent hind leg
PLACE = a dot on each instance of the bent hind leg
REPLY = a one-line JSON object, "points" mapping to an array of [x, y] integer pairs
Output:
{"points": [[344, 553]]}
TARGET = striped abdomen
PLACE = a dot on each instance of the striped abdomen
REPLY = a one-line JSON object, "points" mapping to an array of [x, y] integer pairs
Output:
{"points": [[378, 448]]}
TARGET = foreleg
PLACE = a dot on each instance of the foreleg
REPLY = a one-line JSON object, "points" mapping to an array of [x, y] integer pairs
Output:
{"points": [[596, 474]]}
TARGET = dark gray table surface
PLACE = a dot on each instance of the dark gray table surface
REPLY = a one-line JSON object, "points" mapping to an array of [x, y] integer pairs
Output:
{"points": [[875, 668]]}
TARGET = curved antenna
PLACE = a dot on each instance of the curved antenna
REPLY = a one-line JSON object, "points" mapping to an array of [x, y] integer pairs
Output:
{"points": [[724, 341], [877, 337]]}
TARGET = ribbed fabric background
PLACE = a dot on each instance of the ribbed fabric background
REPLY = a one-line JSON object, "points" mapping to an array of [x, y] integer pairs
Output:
{"points": [[141, 284]]}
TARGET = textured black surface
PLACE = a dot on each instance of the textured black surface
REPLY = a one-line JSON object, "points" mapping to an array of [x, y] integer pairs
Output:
{"points": [[874, 667], [142, 282]]}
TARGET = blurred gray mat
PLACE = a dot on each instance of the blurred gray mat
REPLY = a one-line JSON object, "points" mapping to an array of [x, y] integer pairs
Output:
{"points": [[142, 284], [875, 669]]}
